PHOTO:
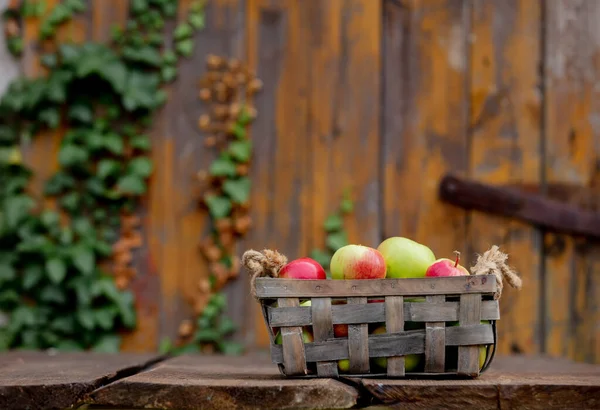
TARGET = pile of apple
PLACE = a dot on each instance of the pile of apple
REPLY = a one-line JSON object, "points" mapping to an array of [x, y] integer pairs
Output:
{"points": [[396, 257]]}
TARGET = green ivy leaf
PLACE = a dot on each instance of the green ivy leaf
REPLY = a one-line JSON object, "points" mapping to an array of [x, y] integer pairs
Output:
{"points": [[66, 235], [83, 259], [50, 116], [9, 297], [218, 206], [139, 6], [207, 336], [169, 57], [56, 270], [197, 20], [131, 185], [140, 91], [222, 167], [170, 9], [23, 316], [68, 346], [103, 248], [71, 155], [226, 326], [83, 291], [107, 168], [16, 208], [7, 272], [141, 167], [105, 317], [70, 202], [146, 55], [336, 240], [323, 258], [81, 113], [59, 14], [183, 31], [60, 182], [241, 150], [49, 60], [140, 142], [231, 348], [239, 131], [218, 300], [31, 276], [49, 218], [53, 294], [155, 39], [238, 190], [333, 223], [85, 317], [65, 324], [169, 73], [116, 74], [347, 205], [76, 6], [185, 47]]}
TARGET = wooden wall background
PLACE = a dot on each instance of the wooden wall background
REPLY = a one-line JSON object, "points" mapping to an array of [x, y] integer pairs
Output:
{"points": [[384, 97]]}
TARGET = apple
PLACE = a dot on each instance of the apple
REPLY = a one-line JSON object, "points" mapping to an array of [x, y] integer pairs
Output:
{"points": [[307, 337], [446, 267], [344, 365], [357, 262], [303, 268], [411, 361], [405, 258]]}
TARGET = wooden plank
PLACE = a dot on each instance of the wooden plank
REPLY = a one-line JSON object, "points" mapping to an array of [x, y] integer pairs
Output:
{"points": [[205, 382], [278, 50], [38, 380], [292, 342], [380, 345], [534, 209], [505, 127], [468, 356], [424, 119], [105, 15], [358, 346], [345, 86], [572, 155], [273, 288], [394, 322], [435, 341], [373, 312], [323, 330], [469, 335]]}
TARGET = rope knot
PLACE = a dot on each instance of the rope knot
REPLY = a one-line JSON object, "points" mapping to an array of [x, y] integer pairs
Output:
{"points": [[267, 263], [493, 262]]}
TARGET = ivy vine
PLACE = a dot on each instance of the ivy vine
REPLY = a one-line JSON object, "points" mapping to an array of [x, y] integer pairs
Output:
{"points": [[227, 87], [56, 257], [336, 235]]}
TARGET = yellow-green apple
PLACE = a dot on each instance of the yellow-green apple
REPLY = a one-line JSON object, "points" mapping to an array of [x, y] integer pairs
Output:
{"points": [[405, 258], [446, 267], [344, 365], [411, 361], [303, 268], [357, 262]]}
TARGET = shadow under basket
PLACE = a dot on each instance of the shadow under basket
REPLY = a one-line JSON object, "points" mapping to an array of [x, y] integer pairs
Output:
{"points": [[426, 327]]}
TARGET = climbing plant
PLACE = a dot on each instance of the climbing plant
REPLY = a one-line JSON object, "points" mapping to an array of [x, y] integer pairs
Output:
{"points": [[57, 250], [336, 235], [226, 88]]}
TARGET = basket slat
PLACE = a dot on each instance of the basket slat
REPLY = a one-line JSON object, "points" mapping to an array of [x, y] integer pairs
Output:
{"points": [[280, 288], [374, 312], [358, 346], [292, 343], [435, 340], [394, 322], [323, 330], [469, 314]]}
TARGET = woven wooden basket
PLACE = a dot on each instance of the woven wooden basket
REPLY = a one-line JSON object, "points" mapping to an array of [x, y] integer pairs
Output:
{"points": [[454, 316]]}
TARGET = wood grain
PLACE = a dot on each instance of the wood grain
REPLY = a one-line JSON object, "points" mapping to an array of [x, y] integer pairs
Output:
{"points": [[373, 312], [468, 356], [506, 134], [323, 330], [358, 346], [292, 344], [425, 73], [435, 341], [273, 288], [571, 155], [277, 50], [394, 323], [345, 75]]}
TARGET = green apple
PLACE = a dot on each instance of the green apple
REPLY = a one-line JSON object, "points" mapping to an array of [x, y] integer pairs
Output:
{"points": [[405, 258], [411, 361], [344, 365]]}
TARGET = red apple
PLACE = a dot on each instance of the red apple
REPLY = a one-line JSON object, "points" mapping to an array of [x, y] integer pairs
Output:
{"points": [[303, 268], [357, 262], [446, 267]]}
